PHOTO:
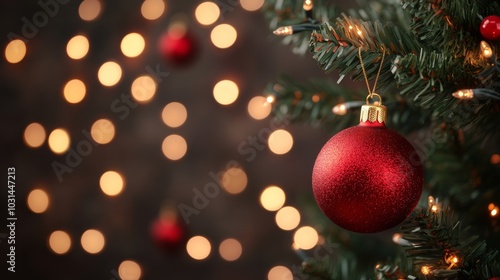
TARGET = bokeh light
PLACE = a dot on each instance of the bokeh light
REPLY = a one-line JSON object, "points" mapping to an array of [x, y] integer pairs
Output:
{"points": [[129, 270], [251, 5], [287, 218], [77, 47], [34, 135], [38, 201], [59, 141], [230, 249], [15, 51], [198, 247], [225, 92], [152, 9], [174, 147], [74, 91], [207, 13], [89, 10], [174, 114], [132, 45], [143, 89], [272, 198], [92, 241], [59, 242], [223, 36], [280, 142], [109, 73], [259, 108], [305, 238], [102, 131], [234, 180], [111, 183], [279, 272]]}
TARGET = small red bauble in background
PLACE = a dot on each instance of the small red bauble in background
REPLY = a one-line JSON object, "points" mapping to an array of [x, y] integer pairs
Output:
{"points": [[168, 233], [177, 45], [368, 178], [490, 27]]}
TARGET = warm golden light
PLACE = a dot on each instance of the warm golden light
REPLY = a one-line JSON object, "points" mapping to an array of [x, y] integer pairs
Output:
{"points": [[279, 273], [308, 5], [464, 94], [77, 47], [92, 241], [283, 31], [109, 73], [287, 218], [396, 238], [494, 212], [251, 5], [270, 99], [129, 270], [34, 135], [434, 208], [103, 131], [198, 247], [174, 147], [38, 201], [425, 270], [111, 183], [340, 109], [230, 249], [152, 9], [207, 13], [305, 238], [430, 200], [143, 89], [59, 141], [280, 142], [59, 242], [132, 45], [15, 51], [226, 92], [486, 49], [89, 10], [491, 206], [74, 91], [223, 36], [495, 159], [259, 108], [234, 180], [174, 114], [272, 198]]}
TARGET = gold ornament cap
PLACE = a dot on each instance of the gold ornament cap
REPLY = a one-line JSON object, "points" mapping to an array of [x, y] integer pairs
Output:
{"points": [[373, 113]]}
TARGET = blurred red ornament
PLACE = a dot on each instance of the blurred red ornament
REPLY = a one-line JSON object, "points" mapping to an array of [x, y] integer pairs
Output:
{"points": [[177, 46], [168, 233], [368, 178], [490, 27]]}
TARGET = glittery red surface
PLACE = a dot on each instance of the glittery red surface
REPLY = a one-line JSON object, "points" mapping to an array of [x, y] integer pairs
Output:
{"points": [[367, 179]]}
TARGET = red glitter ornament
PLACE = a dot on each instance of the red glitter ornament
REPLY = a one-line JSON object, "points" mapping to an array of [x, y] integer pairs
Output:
{"points": [[368, 178], [490, 27], [168, 233], [177, 46]]}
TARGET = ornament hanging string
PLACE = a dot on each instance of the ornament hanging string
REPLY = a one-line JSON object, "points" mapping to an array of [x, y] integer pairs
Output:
{"points": [[372, 92]]}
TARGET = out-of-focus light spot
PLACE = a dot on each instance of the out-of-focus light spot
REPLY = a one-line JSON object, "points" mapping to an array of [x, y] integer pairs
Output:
{"points": [[59, 242], [152, 9], [259, 108], [74, 91], [251, 5], [77, 47], [230, 249], [92, 241], [111, 183], [143, 89], [495, 159], [129, 270], [425, 270], [109, 73], [174, 147], [280, 142], [89, 9], [59, 141], [174, 114], [225, 92], [102, 131], [494, 212], [234, 180], [279, 273], [38, 201], [434, 208], [207, 13], [306, 238], [270, 99], [223, 36], [287, 218], [15, 51], [491, 206], [34, 135], [272, 198], [198, 247], [132, 44]]}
